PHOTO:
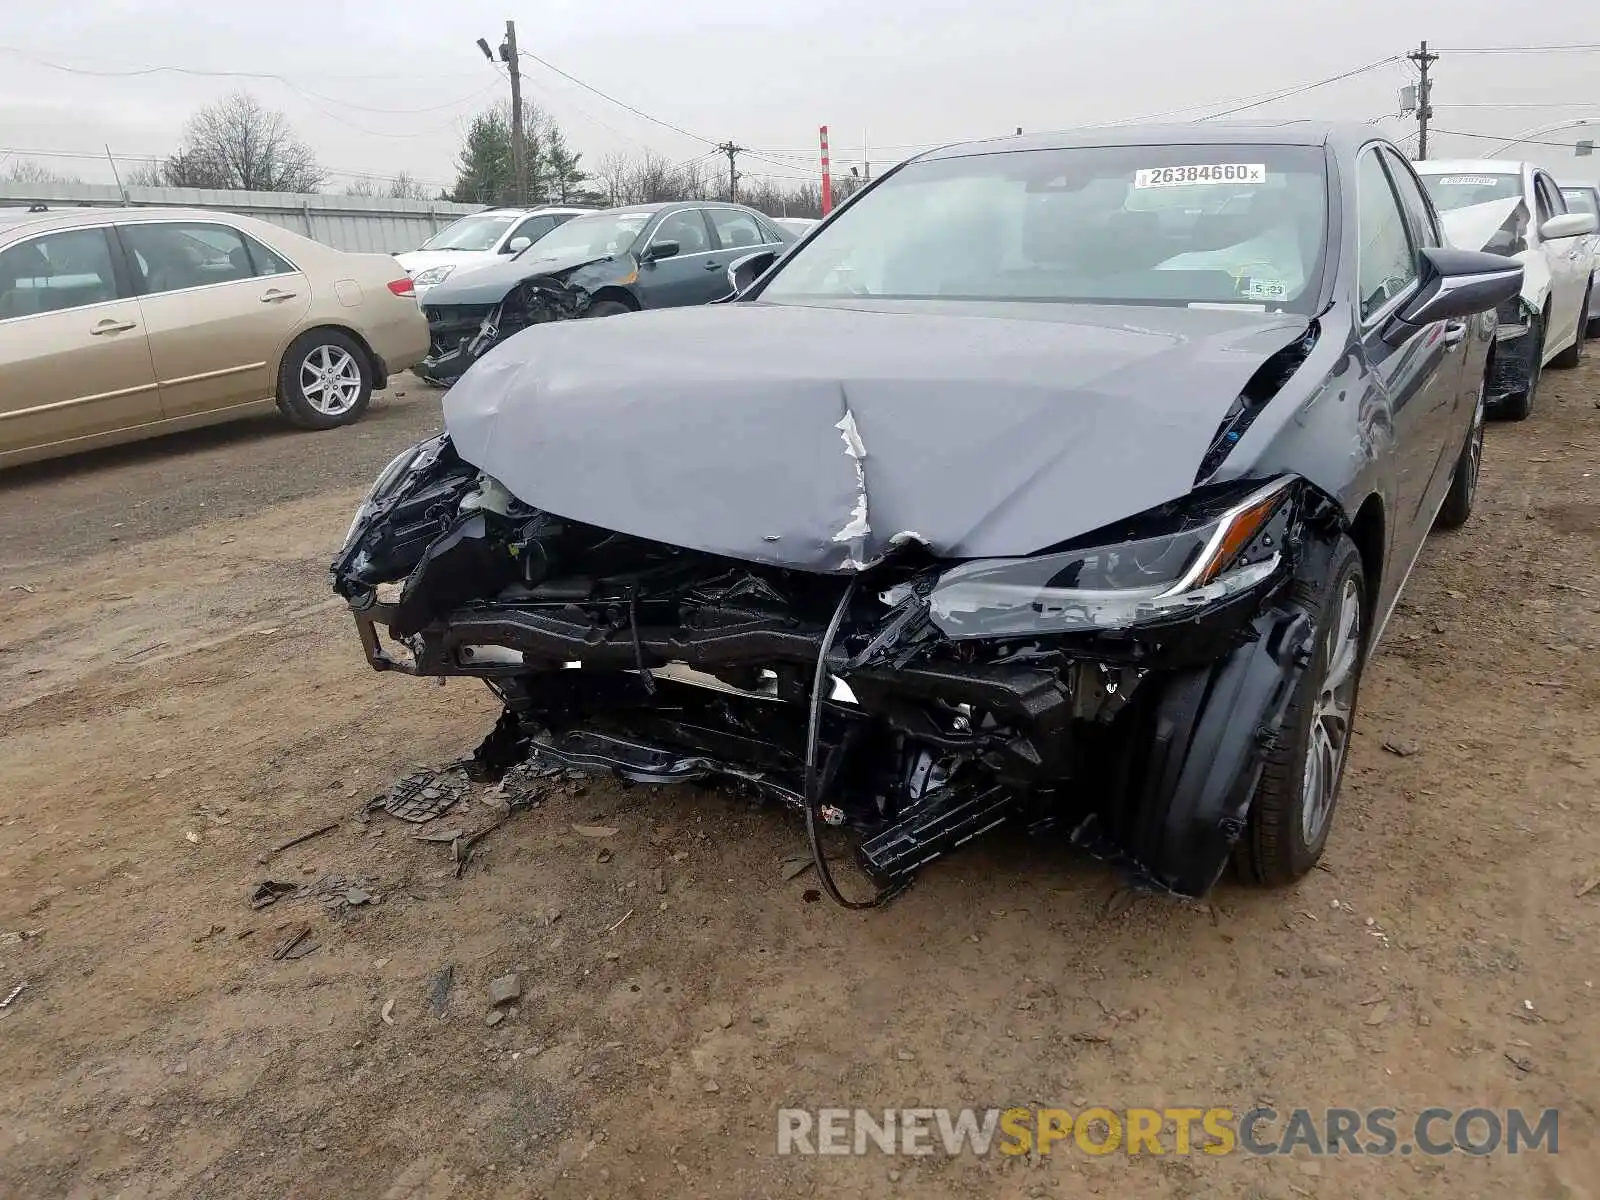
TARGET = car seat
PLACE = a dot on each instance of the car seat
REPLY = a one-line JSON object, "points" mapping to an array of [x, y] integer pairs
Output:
{"points": [[25, 262]]}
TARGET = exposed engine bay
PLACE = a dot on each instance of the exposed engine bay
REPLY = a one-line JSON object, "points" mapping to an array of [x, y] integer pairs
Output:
{"points": [[460, 335], [919, 702]]}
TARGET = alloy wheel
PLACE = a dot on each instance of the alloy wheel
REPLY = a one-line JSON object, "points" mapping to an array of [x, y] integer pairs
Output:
{"points": [[1475, 443], [330, 380], [1330, 717]]}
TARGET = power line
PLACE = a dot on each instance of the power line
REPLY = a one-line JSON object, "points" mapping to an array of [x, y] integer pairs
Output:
{"points": [[136, 69], [678, 129], [1527, 104], [1500, 137], [1304, 87], [1573, 48], [638, 112]]}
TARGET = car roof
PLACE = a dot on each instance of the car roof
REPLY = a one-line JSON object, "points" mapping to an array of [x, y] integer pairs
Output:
{"points": [[67, 218], [1183, 133], [504, 209], [18, 216], [1481, 166]]}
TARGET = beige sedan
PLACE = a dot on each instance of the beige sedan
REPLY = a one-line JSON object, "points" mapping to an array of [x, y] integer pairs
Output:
{"points": [[118, 324]]}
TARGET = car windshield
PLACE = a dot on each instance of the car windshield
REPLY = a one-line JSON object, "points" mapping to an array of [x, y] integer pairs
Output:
{"points": [[1166, 225], [594, 237], [1463, 189], [481, 231], [1582, 200]]}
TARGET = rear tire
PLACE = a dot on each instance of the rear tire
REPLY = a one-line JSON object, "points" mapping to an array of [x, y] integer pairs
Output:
{"points": [[607, 308], [1457, 506], [325, 380], [1299, 788], [1518, 405], [1573, 354]]}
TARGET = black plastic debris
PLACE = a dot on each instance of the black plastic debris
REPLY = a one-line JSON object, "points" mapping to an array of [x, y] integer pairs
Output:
{"points": [[297, 943], [268, 892], [439, 990], [422, 796]]}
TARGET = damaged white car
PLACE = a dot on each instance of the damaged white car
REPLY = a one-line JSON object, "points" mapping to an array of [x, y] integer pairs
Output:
{"points": [[1064, 481], [1516, 209]]}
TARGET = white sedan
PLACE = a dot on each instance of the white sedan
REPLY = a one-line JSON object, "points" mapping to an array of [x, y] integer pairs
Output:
{"points": [[1516, 209]]}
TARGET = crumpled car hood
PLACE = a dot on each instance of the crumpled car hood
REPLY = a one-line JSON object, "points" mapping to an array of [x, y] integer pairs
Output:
{"points": [[820, 438], [488, 285], [1470, 228]]}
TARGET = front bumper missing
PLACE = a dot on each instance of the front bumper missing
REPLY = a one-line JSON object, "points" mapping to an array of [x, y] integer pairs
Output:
{"points": [[1192, 746], [1515, 364]]}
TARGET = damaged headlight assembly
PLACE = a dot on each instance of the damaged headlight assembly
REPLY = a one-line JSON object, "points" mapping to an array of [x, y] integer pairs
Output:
{"points": [[1201, 560], [432, 276]]}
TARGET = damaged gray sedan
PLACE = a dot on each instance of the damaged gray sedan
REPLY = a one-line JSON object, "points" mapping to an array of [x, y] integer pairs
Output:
{"points": [[1063, 481]]}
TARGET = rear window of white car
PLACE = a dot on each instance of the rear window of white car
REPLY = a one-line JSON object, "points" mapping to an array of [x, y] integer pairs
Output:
{"points": [[1463, 189]]}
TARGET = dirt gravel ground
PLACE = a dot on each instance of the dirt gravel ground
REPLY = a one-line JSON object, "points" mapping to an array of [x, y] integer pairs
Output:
{"points": [[178, 694]]}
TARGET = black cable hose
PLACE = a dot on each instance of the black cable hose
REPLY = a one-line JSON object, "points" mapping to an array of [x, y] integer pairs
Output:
{"points": [[813, 783], [638, 646]]}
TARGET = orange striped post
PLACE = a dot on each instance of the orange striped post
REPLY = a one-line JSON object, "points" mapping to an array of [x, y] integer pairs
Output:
{"points": [[827, 178]]}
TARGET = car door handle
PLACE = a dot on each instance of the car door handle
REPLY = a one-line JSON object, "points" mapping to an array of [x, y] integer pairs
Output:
{"points": [[1455, 332], [273, 295], [112, 325]]}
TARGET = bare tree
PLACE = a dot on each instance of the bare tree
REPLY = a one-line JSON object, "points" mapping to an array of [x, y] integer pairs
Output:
{"points": [[611, 176], [144, 174], [238, 143], [25, 170], [649, 177], [361, 187], [406, 186]]}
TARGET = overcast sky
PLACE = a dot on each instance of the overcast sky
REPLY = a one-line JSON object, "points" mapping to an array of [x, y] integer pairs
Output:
{"points": [[901, 73]]}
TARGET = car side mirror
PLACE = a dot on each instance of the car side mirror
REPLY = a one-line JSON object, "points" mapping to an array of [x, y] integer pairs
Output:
{"points": [[1568, 225], [744, 271], [1456, 284], [517, 245], [656, 251]]}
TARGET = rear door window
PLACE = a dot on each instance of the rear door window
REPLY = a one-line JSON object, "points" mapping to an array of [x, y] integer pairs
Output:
{"points": [[687, 227], [171, 256], [737, 230], [265, 260], [57, 271]]}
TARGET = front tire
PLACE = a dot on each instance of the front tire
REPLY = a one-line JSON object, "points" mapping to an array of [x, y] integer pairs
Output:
{"points": [[325, 380], [607, 308], [1292, 810], [1457, 506]]}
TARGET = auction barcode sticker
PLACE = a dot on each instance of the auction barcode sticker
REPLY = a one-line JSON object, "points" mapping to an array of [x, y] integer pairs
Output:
{"points": [[1468, 180], [1154, 177]]}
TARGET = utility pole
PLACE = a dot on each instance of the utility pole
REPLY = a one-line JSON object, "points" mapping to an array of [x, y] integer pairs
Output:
{"points": [[1424, 60], [508, 54], [732, 151]]}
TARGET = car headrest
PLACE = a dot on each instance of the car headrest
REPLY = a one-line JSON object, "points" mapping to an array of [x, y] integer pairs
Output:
{"points": [[25, 262]]}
